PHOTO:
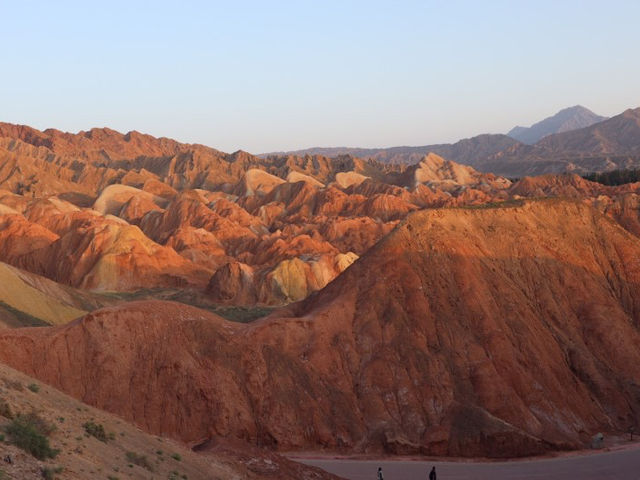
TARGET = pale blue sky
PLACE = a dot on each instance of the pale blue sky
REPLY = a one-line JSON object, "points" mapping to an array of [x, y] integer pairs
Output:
{"points": [[264, 76]]}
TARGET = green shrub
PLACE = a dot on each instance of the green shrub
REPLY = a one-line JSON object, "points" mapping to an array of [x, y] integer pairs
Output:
{"points": [[140, 460], [39, 423], [96, 430], [48, 473], [34, 387], [29, 432], [176, 456]]}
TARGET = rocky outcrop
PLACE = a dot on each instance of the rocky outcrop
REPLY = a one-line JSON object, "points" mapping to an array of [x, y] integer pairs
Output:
{"points": [[104, 254], [233, 283]]}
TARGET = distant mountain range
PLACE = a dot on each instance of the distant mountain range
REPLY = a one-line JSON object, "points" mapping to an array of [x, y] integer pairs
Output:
{"points": [[465, 151], [566, 120], [610, 144]]}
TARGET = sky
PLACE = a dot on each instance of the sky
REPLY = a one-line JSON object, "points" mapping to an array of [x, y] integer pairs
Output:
{"points": [[266, 76]]}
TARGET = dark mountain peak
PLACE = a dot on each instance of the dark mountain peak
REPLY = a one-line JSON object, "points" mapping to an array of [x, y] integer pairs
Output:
{"points": [[566, 120], [619, 135], [575, 109]]}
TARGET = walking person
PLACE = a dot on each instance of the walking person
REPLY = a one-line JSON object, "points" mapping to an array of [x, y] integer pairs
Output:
{"points": [[432, 474], [380, 475]]}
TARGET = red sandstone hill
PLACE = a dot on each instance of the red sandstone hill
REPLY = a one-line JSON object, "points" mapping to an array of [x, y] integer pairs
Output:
{"points": [[484, 331], [102, 210]]}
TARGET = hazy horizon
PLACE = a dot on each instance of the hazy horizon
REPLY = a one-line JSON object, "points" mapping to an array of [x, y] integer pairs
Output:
{"points": [[296, 75]]}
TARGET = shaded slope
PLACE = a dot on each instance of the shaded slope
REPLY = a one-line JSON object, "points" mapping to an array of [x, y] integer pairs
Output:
{"points": [[519, 323]]}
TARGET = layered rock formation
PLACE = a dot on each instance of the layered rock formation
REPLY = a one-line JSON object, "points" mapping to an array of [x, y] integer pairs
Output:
{"points": [[105, 211], [483, 331]]}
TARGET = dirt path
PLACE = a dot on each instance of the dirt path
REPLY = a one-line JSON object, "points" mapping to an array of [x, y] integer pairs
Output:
{"points": [[620, 464]]}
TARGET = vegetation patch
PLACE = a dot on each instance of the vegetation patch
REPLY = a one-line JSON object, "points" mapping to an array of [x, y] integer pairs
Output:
{"points": [[34, 387], [96, 430], [240, 314], [489, 205], [29, 432], [16, 318], [49, 473], [614, 177], [140, 460]]}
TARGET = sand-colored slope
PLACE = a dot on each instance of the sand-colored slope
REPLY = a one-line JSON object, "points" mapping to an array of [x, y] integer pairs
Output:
{"points": [[114, 197], [5, 210], [348, 179], [295, 176], [446, 174], [50, 304], [258, 182]]}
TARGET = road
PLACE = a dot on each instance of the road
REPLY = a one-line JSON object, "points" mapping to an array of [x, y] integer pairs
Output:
{"points": [[621, 464]]}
